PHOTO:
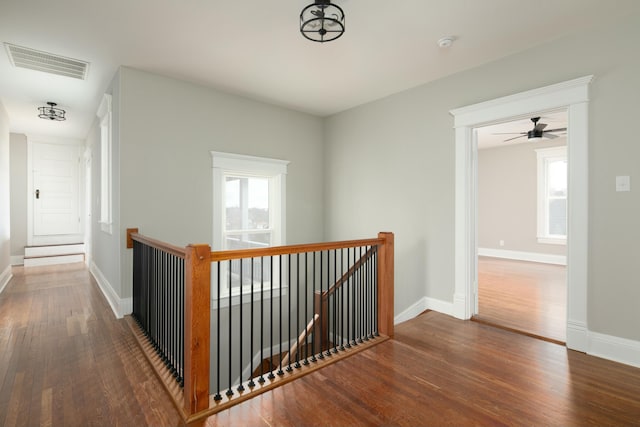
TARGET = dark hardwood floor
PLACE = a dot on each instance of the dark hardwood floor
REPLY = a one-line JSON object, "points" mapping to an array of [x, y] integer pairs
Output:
{"points": [[66, 361], [525, 296]]}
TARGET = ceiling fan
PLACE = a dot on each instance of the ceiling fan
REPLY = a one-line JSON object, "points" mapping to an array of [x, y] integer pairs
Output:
{"points": [[537, 132]]}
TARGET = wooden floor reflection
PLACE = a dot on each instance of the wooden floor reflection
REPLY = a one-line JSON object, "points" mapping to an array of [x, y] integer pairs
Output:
{"points": [[524, 296]]}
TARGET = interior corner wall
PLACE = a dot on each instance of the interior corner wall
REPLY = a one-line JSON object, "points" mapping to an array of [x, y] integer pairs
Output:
{"points": [[18, 167], [167, 130], [508, 198], [5, 190], [390, 166]]}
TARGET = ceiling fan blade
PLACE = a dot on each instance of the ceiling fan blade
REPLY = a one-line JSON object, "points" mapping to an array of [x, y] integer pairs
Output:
{"points": [[550, 135], [556, 130], [540, 126], [509, 133], [515, 137]]}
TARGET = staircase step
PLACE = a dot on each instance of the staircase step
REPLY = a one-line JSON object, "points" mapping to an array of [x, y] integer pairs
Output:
{"points": [[53, 250], [53, 259]]}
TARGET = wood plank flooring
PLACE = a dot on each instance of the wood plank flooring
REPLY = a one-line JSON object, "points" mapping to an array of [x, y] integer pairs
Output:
{"points": [[525, 296], [66, 361]]}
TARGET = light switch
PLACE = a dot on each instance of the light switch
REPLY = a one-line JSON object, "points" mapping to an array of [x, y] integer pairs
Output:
{"points": [[623, 183]]}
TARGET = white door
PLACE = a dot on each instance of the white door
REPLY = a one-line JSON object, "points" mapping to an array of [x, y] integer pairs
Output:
{"points": [[55, 194]]}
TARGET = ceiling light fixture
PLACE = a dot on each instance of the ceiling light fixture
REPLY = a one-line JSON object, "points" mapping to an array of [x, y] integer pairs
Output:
{"points": [[51, 112], [322, 21]]}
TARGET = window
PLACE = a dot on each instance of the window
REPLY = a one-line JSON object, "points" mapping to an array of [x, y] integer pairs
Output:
{"points": [[104, 114], [552, 195], [248, 212]]}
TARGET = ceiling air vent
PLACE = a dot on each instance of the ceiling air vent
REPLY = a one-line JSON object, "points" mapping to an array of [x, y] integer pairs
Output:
{"points": [[25, 57]]}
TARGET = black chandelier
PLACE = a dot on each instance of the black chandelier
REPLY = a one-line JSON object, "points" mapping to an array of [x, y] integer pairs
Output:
{"points": [[322, 21], [51, 112]]}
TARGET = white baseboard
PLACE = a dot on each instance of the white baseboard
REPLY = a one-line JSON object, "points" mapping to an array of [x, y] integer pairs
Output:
{"points": [[17, 259], [619, 350], [523, 256], [424, 303], [119, 306], [5, 276]]}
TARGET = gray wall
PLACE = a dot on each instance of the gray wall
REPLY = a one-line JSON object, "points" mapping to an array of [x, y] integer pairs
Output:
{"points": [[5, 211], [167, 129], [508, 197], [389, 165], [18, 193]]}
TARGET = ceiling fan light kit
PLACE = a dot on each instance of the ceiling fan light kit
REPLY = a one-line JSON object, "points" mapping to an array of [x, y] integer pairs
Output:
{"points": [[50, 112], [322, 21]]}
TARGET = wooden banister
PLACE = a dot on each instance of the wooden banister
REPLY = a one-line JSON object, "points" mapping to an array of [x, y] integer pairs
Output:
{"points": [[385, 284], [290, 249], [303, 335], [197, 328], [132, 234], [350, 272]]}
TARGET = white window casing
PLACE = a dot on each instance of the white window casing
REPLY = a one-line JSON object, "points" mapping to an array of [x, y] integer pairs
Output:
{"points": [[242, 167], [106, 175], [545, 157]]}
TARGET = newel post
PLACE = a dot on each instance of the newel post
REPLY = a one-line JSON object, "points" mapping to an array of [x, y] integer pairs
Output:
{"points": [[385, 284], [197, 326]]}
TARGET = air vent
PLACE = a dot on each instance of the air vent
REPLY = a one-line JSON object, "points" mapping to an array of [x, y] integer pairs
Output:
{"points": [[24, 57]]}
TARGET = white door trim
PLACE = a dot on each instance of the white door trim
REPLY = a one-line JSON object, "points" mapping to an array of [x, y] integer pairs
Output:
{"points": [[572, 95], [49, 240]]}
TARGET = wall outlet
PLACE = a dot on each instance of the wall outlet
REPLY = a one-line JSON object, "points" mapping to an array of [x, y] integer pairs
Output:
{"points": [[501, 242]]}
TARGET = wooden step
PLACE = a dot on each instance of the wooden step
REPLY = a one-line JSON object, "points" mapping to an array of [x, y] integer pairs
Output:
{"points": [[35, 256]]}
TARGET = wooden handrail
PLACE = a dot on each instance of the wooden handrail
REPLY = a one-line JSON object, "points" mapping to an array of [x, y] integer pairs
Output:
{"points": [[303, 335], [132, 234], [290, 249], [349, 272]]}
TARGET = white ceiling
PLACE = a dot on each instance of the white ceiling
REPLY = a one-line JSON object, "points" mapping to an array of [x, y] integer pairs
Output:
{"points": [[253, 48]]}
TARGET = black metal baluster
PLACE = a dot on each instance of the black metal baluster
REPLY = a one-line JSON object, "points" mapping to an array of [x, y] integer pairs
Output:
{"points": [[297, 364], [217, 396], [181, 321], [321, 312], [306, 308], [271, 376], [317, 328], [375, 291], [280, 371], [229, 390], [289, 368], [342, 285], [348, 292], [261, 379], [368, 294], [251, 383], [241, 387], [361, 273], [328, 308], [334, 296]]}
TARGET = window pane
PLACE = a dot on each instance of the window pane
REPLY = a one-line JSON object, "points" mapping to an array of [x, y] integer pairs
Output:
{"points": [[246, 203], [247, 240], [558, 217], [557, 175]]}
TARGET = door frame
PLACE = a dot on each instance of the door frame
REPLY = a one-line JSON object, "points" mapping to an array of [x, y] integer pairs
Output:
{"points": [[54, 239], [572, 95]]}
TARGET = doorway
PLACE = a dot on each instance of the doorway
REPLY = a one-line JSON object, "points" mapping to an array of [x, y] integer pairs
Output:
{"points": [[572, 95], [522, 225]]}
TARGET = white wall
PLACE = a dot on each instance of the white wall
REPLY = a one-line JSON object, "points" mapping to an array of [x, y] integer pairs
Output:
{"points": [[5, 189], [390, 165], [508, 198], [18, 194], [167, 129]]}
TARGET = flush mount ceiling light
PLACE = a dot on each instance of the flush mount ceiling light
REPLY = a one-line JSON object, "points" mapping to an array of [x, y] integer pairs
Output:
{"points": [[322, 21], [51, 112]]}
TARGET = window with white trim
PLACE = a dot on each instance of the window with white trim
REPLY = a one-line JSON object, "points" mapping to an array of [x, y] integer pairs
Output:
{"points": [[552, 195], [104, 115], [249, 204]]}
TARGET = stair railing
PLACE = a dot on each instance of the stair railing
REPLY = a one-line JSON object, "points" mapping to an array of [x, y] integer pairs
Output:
{"points": [[204, 344]]}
